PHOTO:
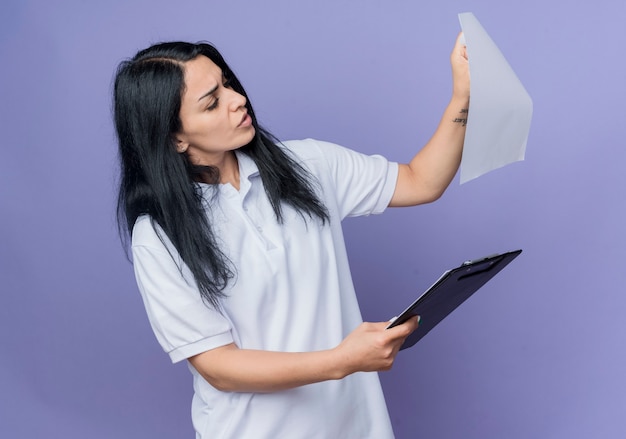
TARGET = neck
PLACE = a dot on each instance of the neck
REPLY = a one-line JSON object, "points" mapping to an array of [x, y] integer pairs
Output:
{"points": [[229, 169]]}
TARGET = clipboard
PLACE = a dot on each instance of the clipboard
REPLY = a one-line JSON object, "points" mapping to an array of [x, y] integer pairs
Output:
{"points": [[453, 288]]}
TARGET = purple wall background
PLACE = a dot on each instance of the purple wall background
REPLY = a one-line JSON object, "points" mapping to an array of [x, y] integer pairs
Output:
{"points": [[540, 352]]}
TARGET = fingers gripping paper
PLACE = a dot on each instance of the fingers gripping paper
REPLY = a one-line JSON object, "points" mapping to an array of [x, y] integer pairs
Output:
{"points": [[500, 108]]}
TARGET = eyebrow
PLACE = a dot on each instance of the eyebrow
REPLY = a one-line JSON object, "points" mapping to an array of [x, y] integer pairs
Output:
{"points": [[209, 93]]}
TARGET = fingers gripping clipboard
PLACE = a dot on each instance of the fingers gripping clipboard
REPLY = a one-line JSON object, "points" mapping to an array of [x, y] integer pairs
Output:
{"points": [[453, 288]]}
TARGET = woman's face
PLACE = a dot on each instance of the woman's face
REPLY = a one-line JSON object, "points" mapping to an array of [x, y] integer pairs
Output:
{"points": [[214, 116]]}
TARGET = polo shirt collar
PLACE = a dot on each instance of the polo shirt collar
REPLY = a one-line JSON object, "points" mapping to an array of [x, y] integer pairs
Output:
{"points": [[247, 167]]}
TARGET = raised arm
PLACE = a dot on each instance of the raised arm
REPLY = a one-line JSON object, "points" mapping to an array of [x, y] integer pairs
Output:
{"points": [[429, 173], [370, 347]]}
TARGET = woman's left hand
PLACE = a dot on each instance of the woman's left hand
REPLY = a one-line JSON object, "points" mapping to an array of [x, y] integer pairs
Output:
{"points": [[460, 69]]}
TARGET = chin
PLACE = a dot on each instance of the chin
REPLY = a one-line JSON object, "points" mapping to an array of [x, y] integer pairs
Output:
{"points": [[249, 138]]}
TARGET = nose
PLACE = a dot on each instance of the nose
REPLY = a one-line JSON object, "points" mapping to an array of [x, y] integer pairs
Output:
{"points": [[236, 100]]}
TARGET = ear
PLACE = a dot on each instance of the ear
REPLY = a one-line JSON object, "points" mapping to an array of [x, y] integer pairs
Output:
{"points": [[181, 145]]}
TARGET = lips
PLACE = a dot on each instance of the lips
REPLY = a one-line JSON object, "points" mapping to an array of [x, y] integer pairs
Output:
{"points": [[246, 120]]}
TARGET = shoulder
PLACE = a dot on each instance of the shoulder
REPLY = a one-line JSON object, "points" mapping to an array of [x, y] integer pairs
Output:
{"points": [[310, 148], [316, 154], [143, 229], [152, 249], [146, 233]]}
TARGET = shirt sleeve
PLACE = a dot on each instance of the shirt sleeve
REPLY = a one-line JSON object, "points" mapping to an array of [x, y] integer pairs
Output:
{"points": [[362, 184], [183, 324]]}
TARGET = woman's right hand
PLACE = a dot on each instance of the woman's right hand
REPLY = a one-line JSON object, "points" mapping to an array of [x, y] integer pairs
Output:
{"points": [[371, 347]]}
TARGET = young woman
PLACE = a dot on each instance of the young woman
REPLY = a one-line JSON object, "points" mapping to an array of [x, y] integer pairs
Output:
{"points": [[238, 248]]}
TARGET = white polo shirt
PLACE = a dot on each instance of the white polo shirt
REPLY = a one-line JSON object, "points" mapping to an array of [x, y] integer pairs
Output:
{"points": [[293, 292]]}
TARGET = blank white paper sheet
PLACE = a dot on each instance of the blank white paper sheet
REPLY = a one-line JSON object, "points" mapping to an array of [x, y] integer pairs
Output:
{"points": [[500, 109]]}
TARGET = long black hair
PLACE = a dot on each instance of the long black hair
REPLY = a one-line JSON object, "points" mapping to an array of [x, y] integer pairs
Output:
{"points": [[158, 181]]}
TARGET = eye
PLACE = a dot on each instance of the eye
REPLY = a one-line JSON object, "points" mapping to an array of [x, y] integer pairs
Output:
{"points": [[226, 84], [213, 105]]}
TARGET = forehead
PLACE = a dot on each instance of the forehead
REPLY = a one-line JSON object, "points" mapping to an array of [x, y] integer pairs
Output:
{"points": [[201, 75]]}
